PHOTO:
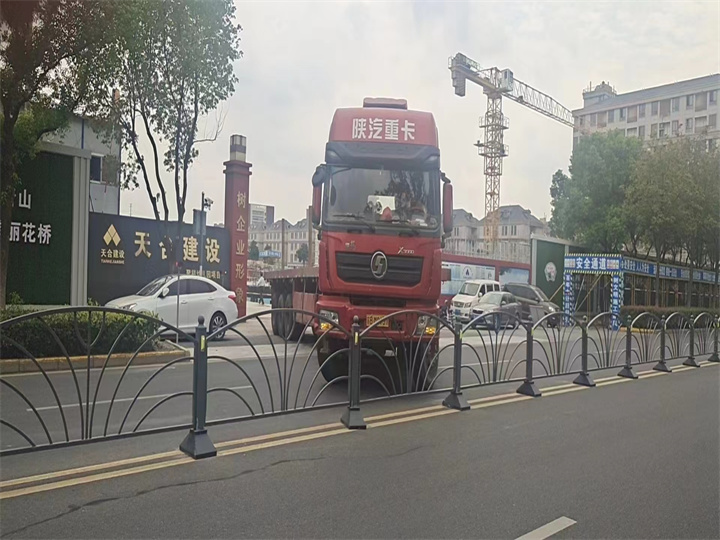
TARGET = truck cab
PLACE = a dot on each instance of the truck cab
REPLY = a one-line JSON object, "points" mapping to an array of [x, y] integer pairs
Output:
{"points": [[381, 208], [378, 206]]}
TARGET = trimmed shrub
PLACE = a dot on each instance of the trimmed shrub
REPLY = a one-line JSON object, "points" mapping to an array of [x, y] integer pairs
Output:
{"points": [[675, 322], [75, 331]]}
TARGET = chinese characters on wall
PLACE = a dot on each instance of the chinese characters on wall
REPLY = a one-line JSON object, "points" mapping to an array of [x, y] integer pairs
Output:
{"points": [[26, 232], [237, 184]]}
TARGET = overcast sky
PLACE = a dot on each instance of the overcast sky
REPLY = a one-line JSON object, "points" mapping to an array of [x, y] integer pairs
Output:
{"points": [[303, 60]]}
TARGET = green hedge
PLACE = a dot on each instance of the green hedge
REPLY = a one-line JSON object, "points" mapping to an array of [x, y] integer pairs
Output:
{"points": [[647, 322], [35, 337]]}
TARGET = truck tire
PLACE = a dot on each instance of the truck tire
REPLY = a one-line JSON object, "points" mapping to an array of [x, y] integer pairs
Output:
{"points": [[274, 315], [294, 328], [337, 367]]}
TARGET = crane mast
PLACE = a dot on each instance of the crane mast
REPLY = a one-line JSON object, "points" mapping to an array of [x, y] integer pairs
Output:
{"points": [[497, 83]]}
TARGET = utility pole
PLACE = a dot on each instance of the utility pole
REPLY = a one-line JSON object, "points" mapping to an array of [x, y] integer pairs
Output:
{"points": [[282, 244], [199, 223]]}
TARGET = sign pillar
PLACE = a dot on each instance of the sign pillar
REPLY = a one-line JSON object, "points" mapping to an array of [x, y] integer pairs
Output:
{"points": [[237, 222]]}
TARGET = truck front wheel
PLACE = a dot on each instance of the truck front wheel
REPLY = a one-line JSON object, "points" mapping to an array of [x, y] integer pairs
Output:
{"points": [[336, 367]]}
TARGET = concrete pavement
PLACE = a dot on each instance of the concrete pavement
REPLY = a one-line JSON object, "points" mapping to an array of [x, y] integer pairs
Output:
{"points": [[632, 460]]}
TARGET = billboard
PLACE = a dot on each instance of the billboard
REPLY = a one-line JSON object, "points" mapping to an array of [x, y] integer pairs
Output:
{"points": [[125, 253], [548, 268], [460, 273], [40, 258], [514, 275]]}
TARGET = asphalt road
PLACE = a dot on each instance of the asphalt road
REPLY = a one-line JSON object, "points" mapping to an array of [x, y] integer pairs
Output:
{"points": [[634, 460], [268, 377]]}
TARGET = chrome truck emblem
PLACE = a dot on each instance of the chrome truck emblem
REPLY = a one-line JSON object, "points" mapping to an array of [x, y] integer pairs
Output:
{"points": [[378, 265]]}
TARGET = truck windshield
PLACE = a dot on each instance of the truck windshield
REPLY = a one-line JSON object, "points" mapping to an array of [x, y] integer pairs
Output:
{"points": [[380, 196]]}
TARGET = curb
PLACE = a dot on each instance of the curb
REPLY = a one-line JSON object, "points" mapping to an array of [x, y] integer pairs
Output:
{"points": [[25, 365]]}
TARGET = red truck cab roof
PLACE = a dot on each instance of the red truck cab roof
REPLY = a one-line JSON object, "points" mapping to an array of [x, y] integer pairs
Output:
{"points": [[384, 120]]}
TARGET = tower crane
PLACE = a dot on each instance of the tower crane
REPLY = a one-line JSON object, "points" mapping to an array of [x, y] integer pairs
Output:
{"points": [[497, 83]]}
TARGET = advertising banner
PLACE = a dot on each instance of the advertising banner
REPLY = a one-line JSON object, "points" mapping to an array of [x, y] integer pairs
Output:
{"points": [[126, 253]]}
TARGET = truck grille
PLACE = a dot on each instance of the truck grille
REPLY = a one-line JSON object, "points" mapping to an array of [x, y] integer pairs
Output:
{"points": [[355, 268]]}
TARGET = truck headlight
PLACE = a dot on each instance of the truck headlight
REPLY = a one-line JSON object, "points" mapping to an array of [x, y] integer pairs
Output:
{"points": [[426, 325], [333, 316]]}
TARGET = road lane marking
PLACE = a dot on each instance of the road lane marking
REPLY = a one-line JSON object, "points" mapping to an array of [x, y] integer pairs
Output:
{"points": [[412, 418], [283, 442], [155, 457], [549, 529], [120, 400], [280, 439], [93, 478]]}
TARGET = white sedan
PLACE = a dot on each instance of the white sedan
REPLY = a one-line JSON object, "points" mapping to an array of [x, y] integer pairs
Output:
{"points": [[197, 296]]}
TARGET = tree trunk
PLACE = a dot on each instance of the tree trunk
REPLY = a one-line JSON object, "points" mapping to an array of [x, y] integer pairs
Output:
{"points": [[7, 194]]}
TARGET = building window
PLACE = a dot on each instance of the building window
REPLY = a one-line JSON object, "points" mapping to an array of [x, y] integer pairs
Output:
{"points": [[675, 127], [641, 111], [700, 122], [689, 101], [602, 120], [641, 132], [675, 104], [664, 128], [96, 168], [622, 114], [654, 108], [632, 114], [653, 131], [504, 230], [611, 116], [713, 97], [513, 230], [665, 107], [689, 126], [712, 121], [711, 144], [701, 101], [632, 132], [582, 121], [593, 120]]}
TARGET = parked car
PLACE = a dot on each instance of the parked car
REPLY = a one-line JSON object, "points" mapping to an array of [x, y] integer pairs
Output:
{"points": [[469, 297], [535, 304], [503, 302], [198, 296]]}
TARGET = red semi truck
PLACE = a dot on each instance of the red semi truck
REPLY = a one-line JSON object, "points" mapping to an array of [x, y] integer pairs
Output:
{"points": [[381, 207]]}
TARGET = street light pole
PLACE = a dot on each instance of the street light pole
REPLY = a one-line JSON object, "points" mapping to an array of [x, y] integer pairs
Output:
{"points": [[202, 231]]}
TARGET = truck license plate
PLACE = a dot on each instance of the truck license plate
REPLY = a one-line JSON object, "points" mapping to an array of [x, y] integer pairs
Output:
{"points": [[457, 312], [370, 319]]}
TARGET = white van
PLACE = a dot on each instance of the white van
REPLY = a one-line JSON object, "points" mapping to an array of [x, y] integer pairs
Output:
{"points": [[469, 296]]}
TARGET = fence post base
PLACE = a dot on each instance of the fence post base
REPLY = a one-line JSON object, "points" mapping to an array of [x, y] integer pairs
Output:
{"points": [[456, 401], [528, 388], [352, 419], [662, 366], [714, 357], [691, 362], [628, 373], [584, 379], [198, 445]]}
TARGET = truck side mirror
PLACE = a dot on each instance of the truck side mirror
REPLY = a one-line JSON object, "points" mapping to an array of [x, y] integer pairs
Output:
{"points": [[447, 208], [316, 205], [320, 176]]}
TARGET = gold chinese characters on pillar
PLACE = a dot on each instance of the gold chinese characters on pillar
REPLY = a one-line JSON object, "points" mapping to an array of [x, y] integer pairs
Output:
{"points": [[237, 222]]}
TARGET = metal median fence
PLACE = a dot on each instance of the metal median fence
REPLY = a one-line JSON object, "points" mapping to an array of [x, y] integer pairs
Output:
{"points": [[76, 375]]}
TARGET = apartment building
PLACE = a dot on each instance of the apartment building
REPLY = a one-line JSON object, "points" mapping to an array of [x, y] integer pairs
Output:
{"points": [[685, 108], [516, 225], [262, 214], [285, 238]]}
